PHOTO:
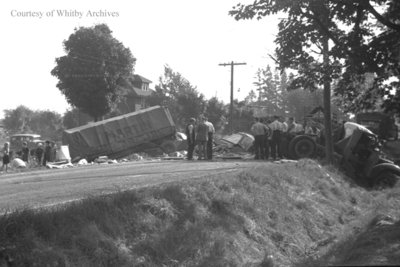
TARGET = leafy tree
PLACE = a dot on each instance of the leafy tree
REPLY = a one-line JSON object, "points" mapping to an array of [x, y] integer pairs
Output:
{"points": [[24, 120], [242, 117], [71, 119], [48, 124], [17, 120], [217, 113], [92, 69], [269, 91], [74, 118], [182, 98], [251, 97]]}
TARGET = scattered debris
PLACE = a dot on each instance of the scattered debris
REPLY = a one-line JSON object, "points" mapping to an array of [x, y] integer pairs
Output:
{"points": [[101, 159], [243, 140], [134, 156], [178, 154], [59, 165], [82, 162], [18, 163], [285, 161], [235, 146]]}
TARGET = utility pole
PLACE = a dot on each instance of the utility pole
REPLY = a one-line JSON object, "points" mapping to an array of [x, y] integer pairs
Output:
{"points": [[231, 106]]}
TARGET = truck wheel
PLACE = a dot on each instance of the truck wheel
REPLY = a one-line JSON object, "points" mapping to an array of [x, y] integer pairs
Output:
{"points": [[302, 146], [168, 147], [385, 179]]}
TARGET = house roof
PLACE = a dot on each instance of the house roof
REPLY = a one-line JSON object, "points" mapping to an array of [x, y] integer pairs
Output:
{"points": [[128, 86], [141, 78]]}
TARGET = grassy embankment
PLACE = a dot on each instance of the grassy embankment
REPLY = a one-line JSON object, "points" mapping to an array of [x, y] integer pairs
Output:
{"points": [[300, 213]]}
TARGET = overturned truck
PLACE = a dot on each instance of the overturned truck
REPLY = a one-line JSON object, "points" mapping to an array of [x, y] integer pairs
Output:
{"points": [[117, 137]]}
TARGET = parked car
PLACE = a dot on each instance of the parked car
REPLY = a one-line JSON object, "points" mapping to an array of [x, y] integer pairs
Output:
{"points": [[17, 140]]}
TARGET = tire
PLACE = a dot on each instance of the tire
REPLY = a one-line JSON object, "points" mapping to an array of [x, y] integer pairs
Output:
{"points": [[168, 147], [302, 146], [385, 179]]}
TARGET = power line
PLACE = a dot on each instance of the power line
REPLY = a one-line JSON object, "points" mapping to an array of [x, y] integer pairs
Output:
{"points": [[232, 64]]}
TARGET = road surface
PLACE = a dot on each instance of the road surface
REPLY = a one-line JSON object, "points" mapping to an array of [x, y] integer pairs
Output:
{"points": [[56, 186]]}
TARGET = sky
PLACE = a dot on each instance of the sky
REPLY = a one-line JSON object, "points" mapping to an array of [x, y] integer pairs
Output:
{"points": [[192, 37]]}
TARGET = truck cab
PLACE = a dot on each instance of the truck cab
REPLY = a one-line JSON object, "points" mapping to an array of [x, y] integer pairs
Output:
{"points": [[385, 127], [379, 123]]}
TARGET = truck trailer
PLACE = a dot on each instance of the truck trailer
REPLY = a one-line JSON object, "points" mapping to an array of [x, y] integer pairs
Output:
{"points": [[122, 135]]}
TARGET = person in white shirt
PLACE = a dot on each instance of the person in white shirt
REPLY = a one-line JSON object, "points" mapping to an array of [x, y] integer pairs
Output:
{"points": [[283, 142], [211, 131], [277, 128], [310, 128], [258, 129], [293, 127]]}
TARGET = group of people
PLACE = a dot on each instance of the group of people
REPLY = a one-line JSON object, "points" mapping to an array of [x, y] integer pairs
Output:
{"points": [[201, 134], [272, 136], [39, 155]]}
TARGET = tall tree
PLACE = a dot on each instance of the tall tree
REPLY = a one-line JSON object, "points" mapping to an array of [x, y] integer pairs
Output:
{"points": [[312, 25], [24, 120], [17, 120], [251, 97], [180, 96], [267, 84], [216, 112], [48, 124], [90, 72]]}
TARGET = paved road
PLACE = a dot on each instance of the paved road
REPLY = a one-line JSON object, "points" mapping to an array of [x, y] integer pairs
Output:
{"points": [[50, 187]]}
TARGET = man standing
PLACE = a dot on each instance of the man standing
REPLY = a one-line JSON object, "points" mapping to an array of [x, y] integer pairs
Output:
{"points": [[258, 130], [284, 140], [276, 127], [191, 138], [202, 138], [47, 153], [267, 139], [39, 153], [211, 131], [6, 156], [25, 153]]}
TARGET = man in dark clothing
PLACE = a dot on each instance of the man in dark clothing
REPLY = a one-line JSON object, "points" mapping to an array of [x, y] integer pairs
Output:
{"points": [[39, 153], [267, 138], [25, 152], [47, 153], [191, 138], [202, 138]]}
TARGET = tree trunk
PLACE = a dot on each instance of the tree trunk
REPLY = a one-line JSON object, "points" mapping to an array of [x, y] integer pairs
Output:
{"points": [[327, 103]]}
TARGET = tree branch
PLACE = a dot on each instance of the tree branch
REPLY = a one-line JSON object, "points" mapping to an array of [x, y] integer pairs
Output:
{"points": [[367, 6], [274, 59], [326, 31], [379, 17]]}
